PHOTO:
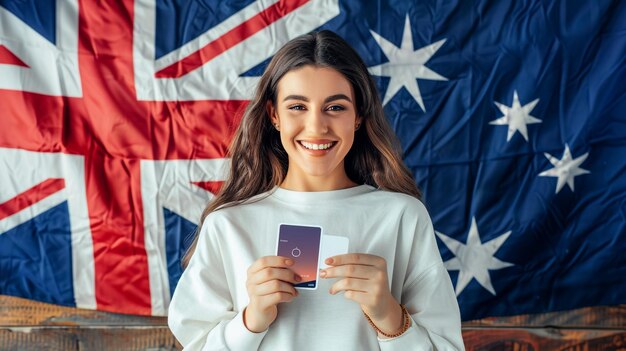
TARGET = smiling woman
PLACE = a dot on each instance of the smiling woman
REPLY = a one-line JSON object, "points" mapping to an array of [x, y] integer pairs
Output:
{"points": [[314, 150]]}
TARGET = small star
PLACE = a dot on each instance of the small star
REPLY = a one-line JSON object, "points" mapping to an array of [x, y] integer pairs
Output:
{"points": [[565, 169], [517, 117], [405, 65], [474, 259]]}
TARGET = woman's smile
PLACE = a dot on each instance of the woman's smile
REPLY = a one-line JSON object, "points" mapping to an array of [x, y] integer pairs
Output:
{"points": [[322, 145]]}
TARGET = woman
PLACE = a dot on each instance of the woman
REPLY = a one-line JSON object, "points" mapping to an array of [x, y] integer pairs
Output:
{"points": [[314, 148]]}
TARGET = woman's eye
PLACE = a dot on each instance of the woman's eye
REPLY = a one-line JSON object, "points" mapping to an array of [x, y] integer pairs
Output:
{"points": [[296, 107], [335, 108]]}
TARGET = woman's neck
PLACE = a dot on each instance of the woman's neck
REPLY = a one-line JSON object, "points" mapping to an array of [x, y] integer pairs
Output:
{"points": [[312, 183]]}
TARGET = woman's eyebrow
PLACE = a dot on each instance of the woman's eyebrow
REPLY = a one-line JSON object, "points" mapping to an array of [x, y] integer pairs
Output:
{"points": [[296, 97], [327, 100], [337, 97]]}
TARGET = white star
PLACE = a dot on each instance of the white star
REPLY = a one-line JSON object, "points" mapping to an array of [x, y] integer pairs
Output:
{"points": [[565, 169], [516, 116], [405, 65], [474, 259]]}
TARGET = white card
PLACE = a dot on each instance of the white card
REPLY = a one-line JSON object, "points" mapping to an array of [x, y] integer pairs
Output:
{"points": [[332, 245]]}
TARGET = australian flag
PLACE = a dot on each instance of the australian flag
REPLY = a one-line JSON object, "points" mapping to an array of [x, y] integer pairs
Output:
{"points": [[116, 116]]}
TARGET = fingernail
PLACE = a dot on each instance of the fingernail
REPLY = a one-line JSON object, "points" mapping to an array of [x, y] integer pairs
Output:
{"points": [[289, 262], [331, 292], [298, 278], [329, 261], [323, 274]]}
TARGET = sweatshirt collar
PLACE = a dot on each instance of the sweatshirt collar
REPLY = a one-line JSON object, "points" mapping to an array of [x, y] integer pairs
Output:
{"points": [[318, 196]]}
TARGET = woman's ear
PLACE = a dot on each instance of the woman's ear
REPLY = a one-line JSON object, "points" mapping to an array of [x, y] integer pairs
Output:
{"points": [[357, 123], [271, 111]]}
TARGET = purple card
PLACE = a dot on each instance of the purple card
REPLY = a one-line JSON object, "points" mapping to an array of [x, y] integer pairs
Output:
{"points": [[302, 244]]}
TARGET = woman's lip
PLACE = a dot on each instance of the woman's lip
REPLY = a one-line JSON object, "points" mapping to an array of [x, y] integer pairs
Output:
{"points": [[317, 141]]}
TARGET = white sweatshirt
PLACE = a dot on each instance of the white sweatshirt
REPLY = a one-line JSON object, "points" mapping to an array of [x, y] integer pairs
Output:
{"points": [[206, 310]]}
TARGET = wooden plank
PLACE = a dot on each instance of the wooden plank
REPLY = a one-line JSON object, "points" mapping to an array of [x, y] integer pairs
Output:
{"points": [[16, 311], [31, 325], [92, 338], [612, 317], [505, 339]]}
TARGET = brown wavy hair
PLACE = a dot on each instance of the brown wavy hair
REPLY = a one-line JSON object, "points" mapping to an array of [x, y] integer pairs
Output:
{"points": [[259, 161]]}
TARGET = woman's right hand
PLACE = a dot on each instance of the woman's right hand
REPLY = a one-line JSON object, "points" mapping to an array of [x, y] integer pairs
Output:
{"points": [[270, 282]]}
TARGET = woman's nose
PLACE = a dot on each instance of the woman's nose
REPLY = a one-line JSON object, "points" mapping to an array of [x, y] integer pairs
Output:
{"points": [[316, 122]]}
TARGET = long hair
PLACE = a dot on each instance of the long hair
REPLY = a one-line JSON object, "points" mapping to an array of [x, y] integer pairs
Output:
{"points": [[259, 161]]}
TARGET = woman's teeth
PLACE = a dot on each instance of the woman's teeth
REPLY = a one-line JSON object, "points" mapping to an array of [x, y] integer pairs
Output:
{"points": [[312, 146]]}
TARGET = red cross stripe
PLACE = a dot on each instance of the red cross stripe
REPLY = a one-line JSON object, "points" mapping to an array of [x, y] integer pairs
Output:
{"points": [[246, 29], [9, 58]]}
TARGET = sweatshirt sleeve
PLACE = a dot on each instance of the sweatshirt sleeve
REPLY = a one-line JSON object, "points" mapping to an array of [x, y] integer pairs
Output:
{"points": [[201, 314], [428, 296]]}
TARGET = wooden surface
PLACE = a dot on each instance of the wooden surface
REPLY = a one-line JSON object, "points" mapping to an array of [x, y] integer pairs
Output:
{"points": [[519, 339], [591, 317], [29, 325]]}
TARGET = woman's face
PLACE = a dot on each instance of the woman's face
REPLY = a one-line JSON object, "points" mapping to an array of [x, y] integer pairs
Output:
{"points": [[316, 116]]}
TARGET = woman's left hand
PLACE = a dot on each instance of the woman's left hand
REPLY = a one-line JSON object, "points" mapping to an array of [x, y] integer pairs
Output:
{"points": [[364, 280]]}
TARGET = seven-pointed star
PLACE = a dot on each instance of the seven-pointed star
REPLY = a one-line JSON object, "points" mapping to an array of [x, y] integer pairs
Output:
{"points": [[565, 169], [517, 117], [474, 259], [405, 65]]}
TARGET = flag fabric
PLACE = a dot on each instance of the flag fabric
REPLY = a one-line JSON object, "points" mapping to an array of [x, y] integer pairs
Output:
{"points": [[116, 117]]}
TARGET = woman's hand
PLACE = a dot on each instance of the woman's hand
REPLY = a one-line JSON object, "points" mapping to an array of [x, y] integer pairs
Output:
{"points": [[269, 283], [364, 280]]}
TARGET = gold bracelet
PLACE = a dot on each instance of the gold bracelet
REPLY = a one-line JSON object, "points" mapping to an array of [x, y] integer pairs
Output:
{"points": [[405, 326]]}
